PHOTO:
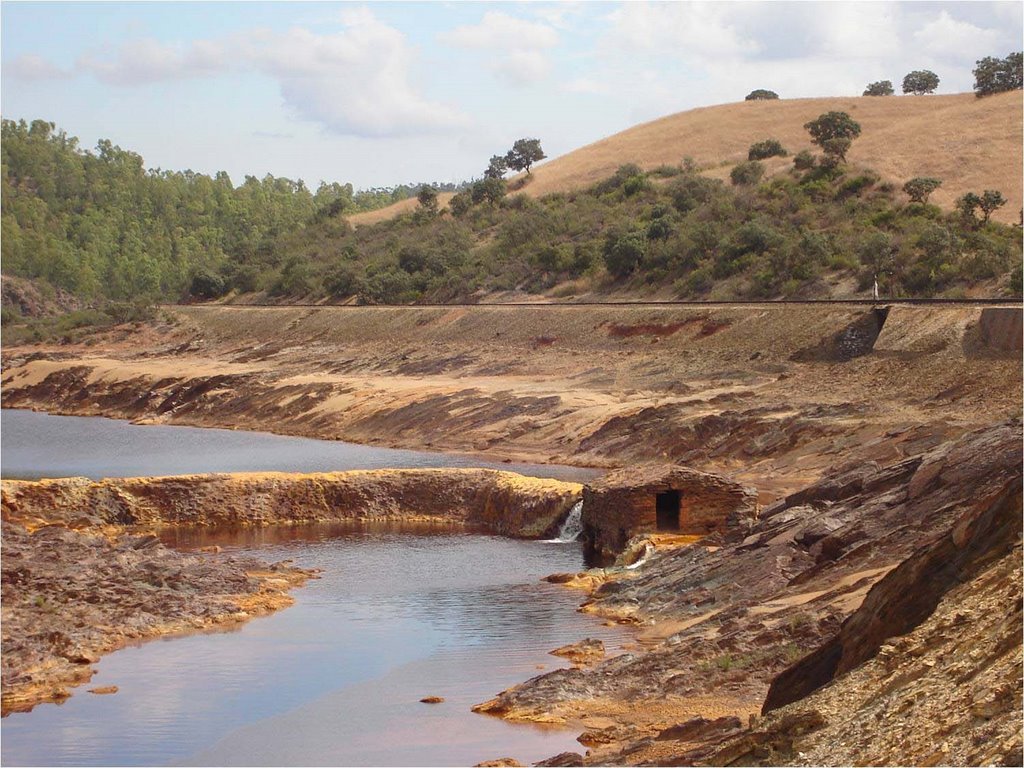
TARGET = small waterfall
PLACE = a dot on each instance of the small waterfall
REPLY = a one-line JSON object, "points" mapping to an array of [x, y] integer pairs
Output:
{"points": [[573, 525]]}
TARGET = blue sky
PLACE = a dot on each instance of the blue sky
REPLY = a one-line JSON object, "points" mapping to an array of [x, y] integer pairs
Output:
{"points": [[382, 93]]}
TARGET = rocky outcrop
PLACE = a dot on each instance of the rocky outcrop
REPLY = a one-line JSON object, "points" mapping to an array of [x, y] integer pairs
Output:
{"points": [[502, 502], [626, 503], [737, 611], [908, 594]]}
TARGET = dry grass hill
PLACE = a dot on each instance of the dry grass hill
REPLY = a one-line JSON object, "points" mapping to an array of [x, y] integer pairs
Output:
{"points": [[971, 144]]}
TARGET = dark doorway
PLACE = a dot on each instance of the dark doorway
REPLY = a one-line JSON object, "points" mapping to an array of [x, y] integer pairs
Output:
{"points": [[667, 506]]}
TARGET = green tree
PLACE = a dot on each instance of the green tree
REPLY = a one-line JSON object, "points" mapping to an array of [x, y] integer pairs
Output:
{"points": [[497, 167], [524, 153], [833, 132], [920, 188], [992, 75], [990, 201], [920, 82], [765, 149], [622, 255], [761, 94], [427, 199], [488, 190], [881, 88], [746, 174]]}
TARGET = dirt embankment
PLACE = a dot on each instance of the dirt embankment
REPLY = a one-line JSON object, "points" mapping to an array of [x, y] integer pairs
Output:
{"points": [[765, 392], [83, 574], [821, 581], [503, 502]]}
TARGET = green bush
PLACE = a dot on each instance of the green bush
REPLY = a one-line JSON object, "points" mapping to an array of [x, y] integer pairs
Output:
{"points": [[765, 149], [622, 255], [746, 174]]}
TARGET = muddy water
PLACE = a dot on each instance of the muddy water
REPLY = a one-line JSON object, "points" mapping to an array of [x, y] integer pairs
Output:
{"points": [[400, 613], [39, 445]]}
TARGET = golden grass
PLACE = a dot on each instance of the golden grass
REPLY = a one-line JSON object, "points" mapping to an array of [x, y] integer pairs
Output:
{"points": [[971, 144]]}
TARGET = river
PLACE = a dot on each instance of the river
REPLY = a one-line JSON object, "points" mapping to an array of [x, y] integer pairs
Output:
{"points": [[400, 613]]}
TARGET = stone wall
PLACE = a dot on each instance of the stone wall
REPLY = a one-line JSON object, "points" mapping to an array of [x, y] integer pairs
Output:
{"points": [[623, 504], [503, 502]]}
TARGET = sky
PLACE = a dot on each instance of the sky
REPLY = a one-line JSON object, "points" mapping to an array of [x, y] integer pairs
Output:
{"points": [[381, 93]]}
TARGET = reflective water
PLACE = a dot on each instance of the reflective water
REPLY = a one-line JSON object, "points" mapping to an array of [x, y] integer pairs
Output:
{"points": [[399, 613], [39, 445]]}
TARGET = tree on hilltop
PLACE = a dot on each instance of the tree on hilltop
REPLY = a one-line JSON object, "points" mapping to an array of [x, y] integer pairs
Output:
{"points": [[920, 82], [524, 153], [427, 198], [881, 88], [761, 94], [993, 75]]}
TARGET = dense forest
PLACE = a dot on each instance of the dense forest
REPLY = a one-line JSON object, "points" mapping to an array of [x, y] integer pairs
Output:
{"points": [[100, 226]]}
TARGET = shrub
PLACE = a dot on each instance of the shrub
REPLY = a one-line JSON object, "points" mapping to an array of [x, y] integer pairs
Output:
{"points": [[747, 173], [207, 285], [803, 160], [765, 149], [920, 188], [660, 229], [623, 255]]}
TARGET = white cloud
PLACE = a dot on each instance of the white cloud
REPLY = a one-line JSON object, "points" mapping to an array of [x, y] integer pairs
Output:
{"points": [[945, 37], [144, 61], [686, 30], [32, 68], [517, 46], [354, 82], [499, 30], [584, 85]]}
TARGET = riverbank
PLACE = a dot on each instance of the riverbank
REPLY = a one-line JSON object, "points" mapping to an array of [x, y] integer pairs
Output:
{"points": [[867, 438], [774, 395], [84, 574]]}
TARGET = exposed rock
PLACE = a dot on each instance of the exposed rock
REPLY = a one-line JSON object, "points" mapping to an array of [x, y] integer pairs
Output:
{"points": [[499, 763], [104, 690], [563, 759], [745, 607], [503, 502], [432, 700], [700, 728], [908, 594], [586, 651]]}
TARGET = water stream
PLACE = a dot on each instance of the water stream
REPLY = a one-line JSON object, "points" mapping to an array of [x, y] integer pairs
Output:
{"points": [[400, 613]]}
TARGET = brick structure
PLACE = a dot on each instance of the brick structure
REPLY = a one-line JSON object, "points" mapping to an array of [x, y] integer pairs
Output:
{"points": [[670, 498]]}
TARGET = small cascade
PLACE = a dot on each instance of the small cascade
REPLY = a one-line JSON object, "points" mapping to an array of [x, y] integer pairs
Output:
{"points": [[573, 525]]}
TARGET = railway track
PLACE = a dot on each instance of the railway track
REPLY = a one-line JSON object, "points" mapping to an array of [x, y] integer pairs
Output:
{"points": [[562, 305]]}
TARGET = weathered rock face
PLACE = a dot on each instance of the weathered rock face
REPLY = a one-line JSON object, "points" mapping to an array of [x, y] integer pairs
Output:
{"points": [[908, 594], [742, 608], [503, 502], [623, 504]]}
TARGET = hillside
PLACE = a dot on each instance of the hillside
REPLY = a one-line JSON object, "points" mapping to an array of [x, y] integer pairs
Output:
{"points": [[970, 143]]}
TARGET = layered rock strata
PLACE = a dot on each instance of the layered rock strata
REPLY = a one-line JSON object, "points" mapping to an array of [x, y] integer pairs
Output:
{"points": [[725, 616], [502, 502]]}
